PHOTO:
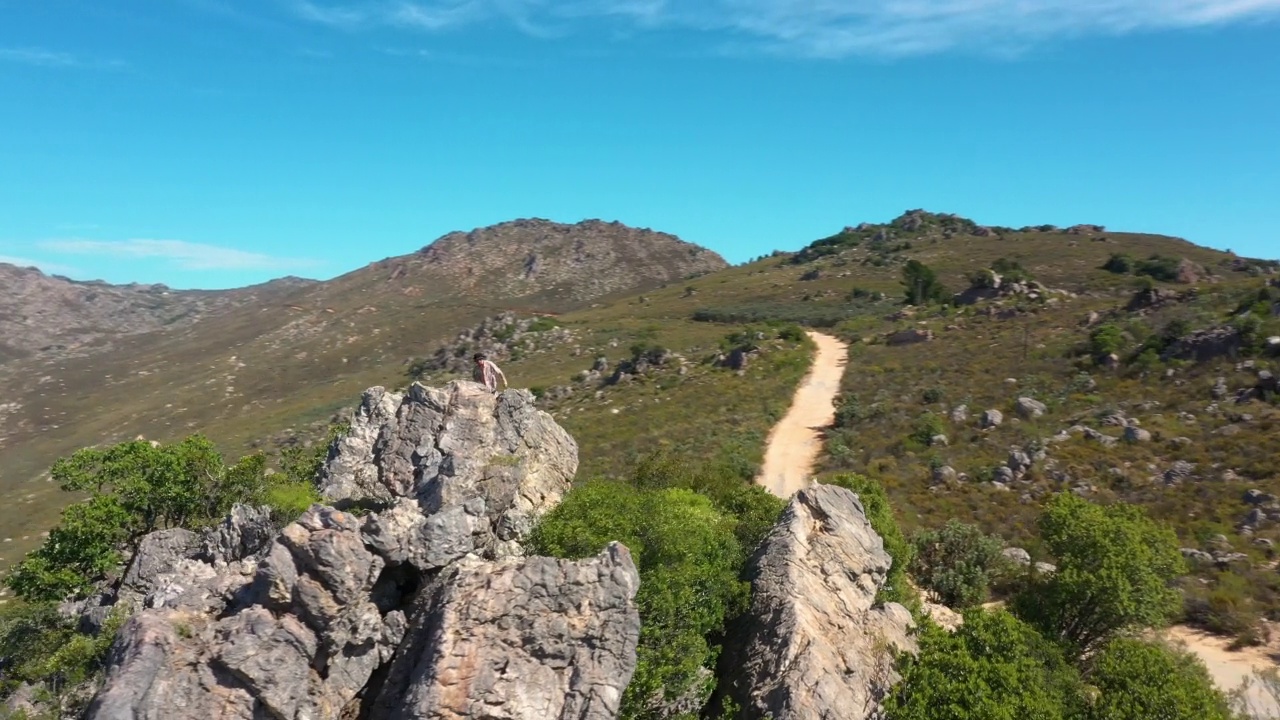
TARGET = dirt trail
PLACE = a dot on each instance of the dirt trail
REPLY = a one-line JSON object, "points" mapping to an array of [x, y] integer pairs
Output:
{"points": [[794, 443], [1230, 668]]}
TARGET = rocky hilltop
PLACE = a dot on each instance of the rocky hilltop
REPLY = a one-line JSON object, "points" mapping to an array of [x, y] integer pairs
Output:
{"points": [[581, 261], [53, 315]]}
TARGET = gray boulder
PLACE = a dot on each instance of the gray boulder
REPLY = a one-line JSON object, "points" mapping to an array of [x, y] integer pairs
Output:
{"points": [[158, 553], [1017, 556], [1029, 408], [1136, 435], [992, 418], [815, 645], [520, 639]]}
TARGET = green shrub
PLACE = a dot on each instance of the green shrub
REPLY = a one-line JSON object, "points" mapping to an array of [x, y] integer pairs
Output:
{"points": [[1106, 339], [1139, 680], [994, 667], [543, 324], [1158, 267], [792, 333], [957, 562], [689, 560], [875, 503], [1114, 572], [1119, 263], [926, 427], [921, 284]]}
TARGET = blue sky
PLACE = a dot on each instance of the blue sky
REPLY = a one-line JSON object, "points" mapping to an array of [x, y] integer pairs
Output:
{"points": [[214, 143]]}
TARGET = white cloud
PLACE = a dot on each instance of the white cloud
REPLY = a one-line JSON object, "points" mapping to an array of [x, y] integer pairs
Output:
{"points": [[182, 254], [823, 28], [48, 267], [42, 57]]}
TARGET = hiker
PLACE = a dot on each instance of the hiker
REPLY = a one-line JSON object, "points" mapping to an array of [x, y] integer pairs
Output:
{"points": [[488, 373]]}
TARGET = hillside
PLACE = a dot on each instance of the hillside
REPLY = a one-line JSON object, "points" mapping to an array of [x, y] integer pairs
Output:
{"points": [[284, 353], [51, 317], [990, 370]]}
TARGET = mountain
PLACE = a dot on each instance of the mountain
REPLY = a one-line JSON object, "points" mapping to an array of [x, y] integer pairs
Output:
{"points": [[86, 363], [53, 316]]}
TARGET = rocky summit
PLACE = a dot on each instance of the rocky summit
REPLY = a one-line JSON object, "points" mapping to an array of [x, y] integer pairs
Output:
{"points": [[421, 607]]}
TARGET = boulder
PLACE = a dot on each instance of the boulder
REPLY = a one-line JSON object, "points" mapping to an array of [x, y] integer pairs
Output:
{"points": [[244, 533], [960, 413], [1204, 345], [909, 337], [992, 418], [814, 644], [1029, 408], [158, 553], [944, 474], [519, 639], [1136, 435], [1017, 556]]}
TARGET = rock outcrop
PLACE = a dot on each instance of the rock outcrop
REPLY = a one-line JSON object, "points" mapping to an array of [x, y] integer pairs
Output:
{"points": [[815, 646], [420, 609]]}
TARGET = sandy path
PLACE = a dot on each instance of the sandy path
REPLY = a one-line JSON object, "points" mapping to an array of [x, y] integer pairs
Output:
{"points": [[1229, 668], [794, 443]]}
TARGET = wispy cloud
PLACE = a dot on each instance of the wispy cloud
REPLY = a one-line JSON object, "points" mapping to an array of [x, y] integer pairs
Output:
{"points": [[818, 28], [53, 268], [180, 253], [41, 57]]}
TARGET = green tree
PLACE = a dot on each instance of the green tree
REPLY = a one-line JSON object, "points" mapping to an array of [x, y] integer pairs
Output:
{"points": [[957, 562], [875, 504], [134, 488], [994, 667], [689, 559], [1138, 680], [921, 283], [1105, 340], [1115, 569]]}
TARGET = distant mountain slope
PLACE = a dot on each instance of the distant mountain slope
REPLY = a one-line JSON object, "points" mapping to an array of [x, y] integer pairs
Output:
{"points": [[54, 316], [241, 365]]}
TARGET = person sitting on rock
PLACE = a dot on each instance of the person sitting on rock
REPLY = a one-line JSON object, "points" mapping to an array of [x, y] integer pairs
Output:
{"points": [[487, 372]]}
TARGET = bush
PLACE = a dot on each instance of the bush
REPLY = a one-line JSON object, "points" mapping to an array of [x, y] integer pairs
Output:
{"points": [[689, 560], [40, 646], [1139, 680], [1158, 267], [792, 333], [543, 324], [926, 427], [957, 562], [875, 504], [993, 668], [1119, 263], [1105, 340], [921, 284], [1114, 572]]}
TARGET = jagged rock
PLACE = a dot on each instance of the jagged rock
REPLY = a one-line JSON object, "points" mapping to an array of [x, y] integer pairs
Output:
{"points": [[814, 644], [944, 474], [244, 533], [992, 418], [939, 441], [158, 553], [304, 643], [1004, 475], [519, 638], [1019, 461], [1029, 408], [296, 627], [960, 413], [448, 449], [1204, 345], [1136, 435], [1044, 568]]}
